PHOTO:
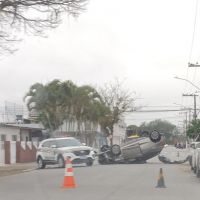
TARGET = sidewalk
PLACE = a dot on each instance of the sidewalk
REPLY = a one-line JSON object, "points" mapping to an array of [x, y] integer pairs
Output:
{"points": [[12, 169]]}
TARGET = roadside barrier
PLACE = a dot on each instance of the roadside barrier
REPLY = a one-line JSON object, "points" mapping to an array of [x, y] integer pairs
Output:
{"points": [[161, 182], [69, 181]]}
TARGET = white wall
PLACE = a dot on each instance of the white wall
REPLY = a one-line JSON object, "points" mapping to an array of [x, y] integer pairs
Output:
{"points": [[2, 153], [119, 132], [24, 134], [73, 126], [9, 131], [12, 152]]}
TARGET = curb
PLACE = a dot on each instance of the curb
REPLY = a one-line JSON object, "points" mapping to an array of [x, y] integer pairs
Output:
{"points": [[29, 170]]}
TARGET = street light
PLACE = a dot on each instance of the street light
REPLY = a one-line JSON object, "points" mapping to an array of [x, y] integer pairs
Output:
{"points": [[188, 82], [194, 95]]}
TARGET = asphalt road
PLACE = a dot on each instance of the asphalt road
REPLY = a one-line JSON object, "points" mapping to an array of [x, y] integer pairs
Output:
{"points": [[108, 182]]}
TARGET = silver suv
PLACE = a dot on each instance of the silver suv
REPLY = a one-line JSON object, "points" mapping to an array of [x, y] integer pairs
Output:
{"points": [[55, 151]]}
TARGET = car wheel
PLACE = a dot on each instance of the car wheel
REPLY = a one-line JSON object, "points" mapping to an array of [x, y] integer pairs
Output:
{"points": [[89, 162], [102, 159], [155, 136], [41, 164], [198, 172], [190, 160], [61, 162], [194, 170], [105, 148], [116, 150]]}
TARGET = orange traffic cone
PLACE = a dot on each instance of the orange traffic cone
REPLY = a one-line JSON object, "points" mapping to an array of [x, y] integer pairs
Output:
{"points": [[69, 176], [161, 182]]}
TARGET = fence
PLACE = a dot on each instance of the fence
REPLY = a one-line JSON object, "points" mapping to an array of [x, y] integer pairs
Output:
{"points": [[17, 152]]}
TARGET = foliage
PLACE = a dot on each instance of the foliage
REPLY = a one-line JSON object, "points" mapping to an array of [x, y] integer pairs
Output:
{"points": [[163, 126], [58, 101], [32, 17], [160, 125], [193, 129], [132, 129], [118, 102]]}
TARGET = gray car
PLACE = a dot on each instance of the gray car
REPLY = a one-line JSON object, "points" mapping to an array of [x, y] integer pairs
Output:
{"points": [[133, 150]]}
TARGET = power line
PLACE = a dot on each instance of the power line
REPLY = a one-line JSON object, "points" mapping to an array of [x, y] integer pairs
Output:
{"points": [[194, 29], [164, 110]]}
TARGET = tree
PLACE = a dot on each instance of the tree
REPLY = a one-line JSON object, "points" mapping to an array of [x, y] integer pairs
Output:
{"points": [[162, 126], [52, 102], [193, 128], [57, 102], [118, 100], [87, 105], [32, 17], [132, 129]]}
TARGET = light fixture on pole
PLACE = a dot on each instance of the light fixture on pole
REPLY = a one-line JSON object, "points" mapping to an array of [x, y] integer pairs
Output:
{"points": [[176, 77]]}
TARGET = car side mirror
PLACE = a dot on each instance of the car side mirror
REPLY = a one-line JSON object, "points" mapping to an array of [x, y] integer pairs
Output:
{"points": [[53, 146]]}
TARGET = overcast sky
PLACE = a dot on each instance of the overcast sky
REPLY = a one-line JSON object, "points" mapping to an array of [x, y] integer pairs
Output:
{"points": [[145, 42]]}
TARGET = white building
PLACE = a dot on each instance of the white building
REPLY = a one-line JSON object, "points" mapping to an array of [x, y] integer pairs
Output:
{"points": [[20, 132]]}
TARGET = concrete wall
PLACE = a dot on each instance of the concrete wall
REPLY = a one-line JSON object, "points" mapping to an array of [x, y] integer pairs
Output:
{"points": [[72, 126], [119, 133], [26, 152], [25, 135], [2, 153], [17, 152], [9, 132]]}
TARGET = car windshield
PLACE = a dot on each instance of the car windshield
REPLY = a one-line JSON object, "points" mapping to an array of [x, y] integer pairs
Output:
{"points": [[67, 143]]}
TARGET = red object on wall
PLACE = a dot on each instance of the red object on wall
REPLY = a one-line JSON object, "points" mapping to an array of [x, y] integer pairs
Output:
{"points": [[7, 152], [25, 155]]}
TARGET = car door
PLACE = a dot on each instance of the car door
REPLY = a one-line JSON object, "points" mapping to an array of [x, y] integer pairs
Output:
{"points": [[52, 150], [45, 150]]}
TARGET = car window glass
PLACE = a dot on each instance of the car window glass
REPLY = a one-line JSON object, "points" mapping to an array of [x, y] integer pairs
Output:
{"points": [[67, 143], [52, 143], [46, 144]]}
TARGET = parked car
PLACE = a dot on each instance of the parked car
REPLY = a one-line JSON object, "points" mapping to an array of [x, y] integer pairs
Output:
{"points": [[194, 155], [137, 149], [56, 150]]}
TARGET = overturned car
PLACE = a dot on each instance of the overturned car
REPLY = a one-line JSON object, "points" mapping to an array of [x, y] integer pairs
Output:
{"points": [[133, 150]]}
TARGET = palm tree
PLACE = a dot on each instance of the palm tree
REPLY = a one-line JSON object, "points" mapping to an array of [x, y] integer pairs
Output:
{"points": [[59, 101], [51, 101]]}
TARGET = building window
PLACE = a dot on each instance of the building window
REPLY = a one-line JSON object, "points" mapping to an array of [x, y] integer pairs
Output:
{"points": [[14, 138], [3, 137]]}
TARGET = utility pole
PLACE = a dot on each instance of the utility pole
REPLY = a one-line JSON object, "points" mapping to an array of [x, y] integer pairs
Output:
{"points": [[185, 126], [195, 110]]}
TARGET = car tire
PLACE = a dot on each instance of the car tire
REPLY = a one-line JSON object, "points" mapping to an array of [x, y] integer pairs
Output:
{"points": [[155, 136], [190, 160], [102, 159], [116, 150], [194, 170], [61, 162], [105, 148], [41, 163], [89, 162], [198, 173]]}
